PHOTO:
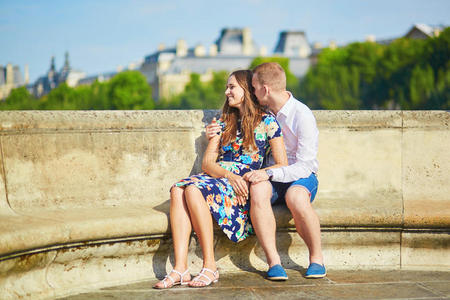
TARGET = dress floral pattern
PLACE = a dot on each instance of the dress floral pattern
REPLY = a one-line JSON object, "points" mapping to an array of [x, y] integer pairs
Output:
{"points": [[233, 218]]}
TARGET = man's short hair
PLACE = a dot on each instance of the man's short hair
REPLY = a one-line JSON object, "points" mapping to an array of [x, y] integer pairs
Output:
{"points": [[272, 75]]}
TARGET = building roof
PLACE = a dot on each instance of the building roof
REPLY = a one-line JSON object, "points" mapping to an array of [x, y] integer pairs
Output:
{"points": [[427, 30], [231, 41], [290, 42]]}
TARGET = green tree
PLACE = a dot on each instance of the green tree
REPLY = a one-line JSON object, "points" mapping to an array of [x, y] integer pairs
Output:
{"points": [[129, 90], [62, 97], [421, 87], [406, 74], [19, 99]]}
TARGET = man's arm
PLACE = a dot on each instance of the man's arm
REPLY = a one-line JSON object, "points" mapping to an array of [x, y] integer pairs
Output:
{"points": [[306, 154]]}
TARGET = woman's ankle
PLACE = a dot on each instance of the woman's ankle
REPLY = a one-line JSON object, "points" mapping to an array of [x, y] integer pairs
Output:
{"points": [[210, 265], [180, 268]]}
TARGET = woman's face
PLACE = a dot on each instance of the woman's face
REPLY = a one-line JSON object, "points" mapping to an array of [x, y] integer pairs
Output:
{"points": [[234, 93]]}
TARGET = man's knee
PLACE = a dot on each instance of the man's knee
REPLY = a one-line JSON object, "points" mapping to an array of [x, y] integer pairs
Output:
{"points": [[298, 199]]}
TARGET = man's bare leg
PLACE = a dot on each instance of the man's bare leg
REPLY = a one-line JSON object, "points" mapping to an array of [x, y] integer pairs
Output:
{"points": [[306, 221], [263, 220]]}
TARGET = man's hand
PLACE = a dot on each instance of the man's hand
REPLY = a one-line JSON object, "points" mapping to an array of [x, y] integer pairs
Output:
{"points": [[256, 176], [212, 129]]}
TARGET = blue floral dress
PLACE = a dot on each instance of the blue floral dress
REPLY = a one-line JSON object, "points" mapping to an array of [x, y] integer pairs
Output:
{"points": [[232, 217]]}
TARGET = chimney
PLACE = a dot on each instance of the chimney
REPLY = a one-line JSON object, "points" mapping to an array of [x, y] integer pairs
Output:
{"points": [[9, 74], [263, 51], [436, 32], [199, 50], [247, 47], [332, 45], [213, 50], [370, 38], [181, 48], [26, 74], [161, 47]]}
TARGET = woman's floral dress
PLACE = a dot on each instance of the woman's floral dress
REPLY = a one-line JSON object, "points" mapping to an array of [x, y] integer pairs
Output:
{"points": [[232, 217]]}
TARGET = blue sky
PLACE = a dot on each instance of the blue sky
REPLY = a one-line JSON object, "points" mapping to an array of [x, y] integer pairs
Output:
{"points": [[100, 34]]}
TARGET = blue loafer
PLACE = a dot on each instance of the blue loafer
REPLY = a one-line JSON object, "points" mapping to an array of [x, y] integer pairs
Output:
{"points": [[277, 273], [315, 271]]}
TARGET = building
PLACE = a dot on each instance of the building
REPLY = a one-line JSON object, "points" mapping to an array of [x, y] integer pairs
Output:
{"points": [[53, 78], [293, 44], [10, 78], [168, 69], [417, 31], [423, 31]]}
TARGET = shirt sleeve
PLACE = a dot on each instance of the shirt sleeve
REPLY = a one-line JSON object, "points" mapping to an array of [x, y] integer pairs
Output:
{"points": [[273, 129], [306, 154]]}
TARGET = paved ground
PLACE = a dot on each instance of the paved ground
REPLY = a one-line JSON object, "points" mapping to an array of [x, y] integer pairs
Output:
{"points": [[337, 285]]}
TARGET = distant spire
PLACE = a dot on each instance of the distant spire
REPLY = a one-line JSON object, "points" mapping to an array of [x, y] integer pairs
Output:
{"points": [[52, 64], [52, 71], [66, 61]]}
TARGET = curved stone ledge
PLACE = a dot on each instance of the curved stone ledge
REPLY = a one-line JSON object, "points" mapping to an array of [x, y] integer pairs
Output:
{"points": [[84, 196]]}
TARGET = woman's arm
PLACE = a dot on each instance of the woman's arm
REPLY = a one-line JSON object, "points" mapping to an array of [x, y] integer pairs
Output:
{"points": [[278, 153], [210, 167]]}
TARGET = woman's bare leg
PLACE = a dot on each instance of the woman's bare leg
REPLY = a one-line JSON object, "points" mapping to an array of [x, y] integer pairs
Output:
{"points": [[202, 223], [180, 224]]}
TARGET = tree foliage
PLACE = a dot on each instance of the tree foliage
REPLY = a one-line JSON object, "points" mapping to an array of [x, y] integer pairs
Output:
{"points": [[406, 74], [126, 90]]}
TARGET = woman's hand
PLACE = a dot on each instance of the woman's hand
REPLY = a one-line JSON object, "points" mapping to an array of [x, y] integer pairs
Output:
{"points": [[212, 129], [240, 187]]}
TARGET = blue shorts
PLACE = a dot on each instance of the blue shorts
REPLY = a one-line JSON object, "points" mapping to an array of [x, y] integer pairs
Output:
{"points": [[279, 189]]}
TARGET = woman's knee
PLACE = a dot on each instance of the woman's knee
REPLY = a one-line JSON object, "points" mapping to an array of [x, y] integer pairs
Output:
{"points": [[176, 192], [192, 193]]}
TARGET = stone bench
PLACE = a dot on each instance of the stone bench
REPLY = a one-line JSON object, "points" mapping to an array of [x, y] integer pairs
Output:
{"points": [[84, 196]]}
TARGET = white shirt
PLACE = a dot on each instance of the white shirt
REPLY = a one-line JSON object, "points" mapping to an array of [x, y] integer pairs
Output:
{"points": [[301, 138]]}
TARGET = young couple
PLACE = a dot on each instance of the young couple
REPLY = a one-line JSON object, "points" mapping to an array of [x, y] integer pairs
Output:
{"points": [[236, 185]]}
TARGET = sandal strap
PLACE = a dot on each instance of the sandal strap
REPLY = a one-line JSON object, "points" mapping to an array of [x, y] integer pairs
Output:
{"points": [[167, 277], [202, 274], [181, 275], [198, 278], [210, 271], [171, 279]]}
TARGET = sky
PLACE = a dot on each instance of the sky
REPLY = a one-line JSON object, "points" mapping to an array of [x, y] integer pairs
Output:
{"points": [[101, 35]]}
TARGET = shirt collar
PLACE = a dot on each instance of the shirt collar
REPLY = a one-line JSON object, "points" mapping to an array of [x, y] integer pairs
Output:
{"points": [[287, 106]]}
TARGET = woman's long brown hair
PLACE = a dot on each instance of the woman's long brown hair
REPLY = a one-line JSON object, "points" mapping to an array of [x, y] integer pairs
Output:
{"points": [[252, 113]]}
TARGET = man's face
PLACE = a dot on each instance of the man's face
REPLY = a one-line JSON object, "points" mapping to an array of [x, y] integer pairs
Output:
{"points": [[260, 91]]}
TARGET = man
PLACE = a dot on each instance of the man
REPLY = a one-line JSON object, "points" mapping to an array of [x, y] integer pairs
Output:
{"points": [[295, 184]]}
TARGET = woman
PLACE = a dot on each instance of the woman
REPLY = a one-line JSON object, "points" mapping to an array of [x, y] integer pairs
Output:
{"points": [[247, 133]]}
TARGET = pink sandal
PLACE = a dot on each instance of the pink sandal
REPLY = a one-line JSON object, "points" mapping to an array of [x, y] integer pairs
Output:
{"points": [[208, 280], [173, 282]]}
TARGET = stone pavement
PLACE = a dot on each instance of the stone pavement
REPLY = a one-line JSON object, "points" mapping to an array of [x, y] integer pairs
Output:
{"points": [[339, 284]]}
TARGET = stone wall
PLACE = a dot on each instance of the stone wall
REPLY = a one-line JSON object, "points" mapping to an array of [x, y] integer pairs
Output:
{"points": [[86, 192]]}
